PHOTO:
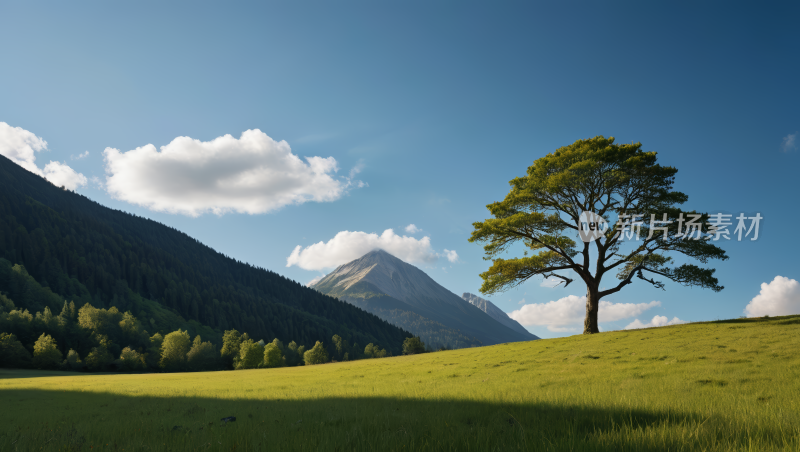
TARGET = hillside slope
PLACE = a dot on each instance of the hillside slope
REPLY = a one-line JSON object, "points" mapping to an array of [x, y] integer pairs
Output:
{"points": [[379, 274], [89, 253], [717, 386], [496, 313]]}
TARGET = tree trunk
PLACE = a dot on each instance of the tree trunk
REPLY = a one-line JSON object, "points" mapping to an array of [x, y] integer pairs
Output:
{"points": [[592, 307]]}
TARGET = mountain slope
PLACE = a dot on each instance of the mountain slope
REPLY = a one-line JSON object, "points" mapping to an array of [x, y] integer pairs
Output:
{"points": [[496, 313], [379, 274], [89, 253], [435, 335]]}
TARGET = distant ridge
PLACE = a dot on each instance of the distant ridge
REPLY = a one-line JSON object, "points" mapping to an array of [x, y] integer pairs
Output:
{"points": [[496, 313], [404, 295]]}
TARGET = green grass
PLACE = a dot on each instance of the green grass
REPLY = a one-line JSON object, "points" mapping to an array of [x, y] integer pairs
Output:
{"points": [[716, 386]]}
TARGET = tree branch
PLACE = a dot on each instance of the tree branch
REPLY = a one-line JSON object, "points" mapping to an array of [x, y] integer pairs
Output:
{"points": [[555, 275]]}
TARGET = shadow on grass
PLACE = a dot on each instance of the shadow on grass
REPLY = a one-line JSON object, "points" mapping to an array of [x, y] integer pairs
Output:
{"points": [[7, 374], [72, 421]]}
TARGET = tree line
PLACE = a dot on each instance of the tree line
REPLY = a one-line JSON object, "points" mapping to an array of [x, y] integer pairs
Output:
{"points": [[92, 339]]}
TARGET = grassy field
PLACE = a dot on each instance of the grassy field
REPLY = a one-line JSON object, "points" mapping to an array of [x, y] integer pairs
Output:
{"points": [[731, 385]]}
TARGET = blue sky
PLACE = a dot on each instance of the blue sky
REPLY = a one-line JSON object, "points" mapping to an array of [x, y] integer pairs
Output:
{"points": [[437, 105]]}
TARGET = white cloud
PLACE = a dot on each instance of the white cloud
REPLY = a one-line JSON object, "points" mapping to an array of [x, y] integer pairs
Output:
{"points": [[252, 174], [780, 297], [610, 312], [350, 245], [61, 175], [315, 280], [356, 169], [80, 156], [412, 229], [521, 301], [563, 329], [564, 313], [658, 320], [97, 182], [451, 255], [20, 146], [789, 142], [551, 282]]}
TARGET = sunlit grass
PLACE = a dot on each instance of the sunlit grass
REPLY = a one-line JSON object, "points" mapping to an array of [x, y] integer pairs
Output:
{"points": [[712, 386]]}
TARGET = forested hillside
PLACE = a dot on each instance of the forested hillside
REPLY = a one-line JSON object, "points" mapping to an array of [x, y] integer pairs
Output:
{"points": [[85, 252]]}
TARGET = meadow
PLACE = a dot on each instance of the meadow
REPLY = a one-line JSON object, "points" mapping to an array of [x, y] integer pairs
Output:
{"points": [[716, 386]]}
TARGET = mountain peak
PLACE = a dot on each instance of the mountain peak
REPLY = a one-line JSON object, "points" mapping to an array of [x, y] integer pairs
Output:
{"points": [[397, 278], [380, 274], [377, 253]]}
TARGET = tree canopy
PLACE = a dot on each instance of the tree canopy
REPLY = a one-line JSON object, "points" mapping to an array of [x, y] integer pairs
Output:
{"points": [[272, 356], [174, 349], [316, 355], [575, 185], [12, 352], [45, 353], [413, 346]]}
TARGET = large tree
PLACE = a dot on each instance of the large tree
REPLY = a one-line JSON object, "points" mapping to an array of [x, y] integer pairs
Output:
{"points": [[544, 211]]}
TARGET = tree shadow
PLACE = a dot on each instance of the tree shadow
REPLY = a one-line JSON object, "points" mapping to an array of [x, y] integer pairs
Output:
{"points": [[9, 374], [73, 420]]}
